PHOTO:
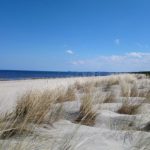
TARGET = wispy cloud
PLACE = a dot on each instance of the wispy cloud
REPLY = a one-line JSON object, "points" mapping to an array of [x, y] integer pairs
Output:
{"points": [[138, 54], [70, 52], [133, 61], [117, 41], [79, 62]]}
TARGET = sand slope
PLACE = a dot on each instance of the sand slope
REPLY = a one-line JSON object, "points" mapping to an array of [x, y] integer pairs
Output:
{"points": [[111, 130]]}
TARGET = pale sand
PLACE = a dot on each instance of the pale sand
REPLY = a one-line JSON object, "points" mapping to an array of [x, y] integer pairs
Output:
{"points": [[110, 131], [10, 91]]}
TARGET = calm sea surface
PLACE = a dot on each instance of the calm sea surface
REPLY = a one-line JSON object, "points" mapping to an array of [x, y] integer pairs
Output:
{"points": [[17, 75]]}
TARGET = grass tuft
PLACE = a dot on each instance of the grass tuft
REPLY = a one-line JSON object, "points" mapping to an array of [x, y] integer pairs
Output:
{"points": [[66, 95], [31, 108], [86, 115], [128, 109], [125, 89], [84, 87], [134, 90], [34, 106], [110, 97]]}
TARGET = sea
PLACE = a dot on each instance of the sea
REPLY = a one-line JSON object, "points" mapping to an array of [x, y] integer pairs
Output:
{"points": [[19, 75]]}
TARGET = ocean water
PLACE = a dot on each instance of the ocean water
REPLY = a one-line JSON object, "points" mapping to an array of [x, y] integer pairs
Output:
{"points": [[18, 75]]}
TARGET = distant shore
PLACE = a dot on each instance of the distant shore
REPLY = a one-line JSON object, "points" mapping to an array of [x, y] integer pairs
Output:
{"points": [[6, 75], [22, 75]]}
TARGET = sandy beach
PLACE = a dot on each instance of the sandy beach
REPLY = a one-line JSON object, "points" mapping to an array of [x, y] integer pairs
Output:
{"points": [[10, 91], [98, 113]]}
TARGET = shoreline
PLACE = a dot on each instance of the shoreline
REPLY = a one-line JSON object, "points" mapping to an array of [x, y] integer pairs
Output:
{"points": [[51, 78], [147, 73], [22, 75]]}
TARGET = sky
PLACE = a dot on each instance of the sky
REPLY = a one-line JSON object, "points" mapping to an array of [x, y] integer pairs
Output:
{"points": [[75, 35]]}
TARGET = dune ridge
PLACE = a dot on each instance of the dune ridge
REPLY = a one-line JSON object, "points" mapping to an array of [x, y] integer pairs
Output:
{"points": [[98, 113]]}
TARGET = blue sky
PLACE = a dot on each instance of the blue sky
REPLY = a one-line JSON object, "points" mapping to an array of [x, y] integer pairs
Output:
{"points": [[75, 35]]}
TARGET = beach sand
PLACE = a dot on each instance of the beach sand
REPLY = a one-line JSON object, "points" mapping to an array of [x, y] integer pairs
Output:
{"points": [[114, 126]]}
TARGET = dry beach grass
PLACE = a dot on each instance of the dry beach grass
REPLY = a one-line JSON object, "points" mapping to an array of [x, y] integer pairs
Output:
{"points": [[94, 103]]}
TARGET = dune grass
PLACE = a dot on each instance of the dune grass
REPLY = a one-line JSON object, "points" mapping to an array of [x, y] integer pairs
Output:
{"points": [[32, 108], [110, 97], [148, 96], [86, 114], [129, 90], [84, 87], [37, 108], [134, 90], [128, 108], [64, 95]]}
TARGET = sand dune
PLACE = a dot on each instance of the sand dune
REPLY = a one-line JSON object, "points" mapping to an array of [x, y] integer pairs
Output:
{"points": [[91, 113]]}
